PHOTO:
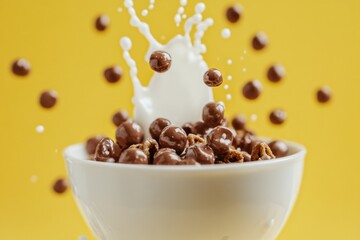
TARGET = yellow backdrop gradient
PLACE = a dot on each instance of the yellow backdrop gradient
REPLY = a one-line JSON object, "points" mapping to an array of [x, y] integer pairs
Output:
{"points": [[316, 41]]}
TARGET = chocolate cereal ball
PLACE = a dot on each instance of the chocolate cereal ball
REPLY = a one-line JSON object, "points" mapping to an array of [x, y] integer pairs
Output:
{"points": [[166, 156], [173, 137], [133, 156], [157, 126], [220, 139], [160, 61], [107, 151], [129, 133], [213, 114], [202, 153]]}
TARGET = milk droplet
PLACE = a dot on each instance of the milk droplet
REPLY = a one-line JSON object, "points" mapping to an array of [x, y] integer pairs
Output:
{"points": [[244, 51], [184, 16], [34, 178], [56, 150], [125, 43], [241, 58], [229, 61], [144, 12], [226, 87], [253, 117], [180, 11], [244, 69], [40, 128], [119, 9], [225, 33], [151, 4], [229, 77], [200, 7], [228, 97]]}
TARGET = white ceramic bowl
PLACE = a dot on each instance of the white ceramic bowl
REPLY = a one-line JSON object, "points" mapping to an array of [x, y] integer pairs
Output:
{"points": [[216, 202]]}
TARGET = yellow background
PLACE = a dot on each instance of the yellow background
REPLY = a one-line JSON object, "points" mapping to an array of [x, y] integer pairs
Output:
{"points": [[318, 42]]}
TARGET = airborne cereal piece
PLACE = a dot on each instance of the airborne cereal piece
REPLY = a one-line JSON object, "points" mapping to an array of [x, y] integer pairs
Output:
{"points": [[160, 61], [119, 117], [60, 185], [133, 156], [195, 139], [276, 73], [323, 95], [234, 157], [113, 74], [277, 116], [92, 143], [102, 22], [220, 140], [239, 122], [213, 114], [129, 133], [202, 153], [259, 41], [107, 151], [173, 137], [157, 126], [213, 77], [261, 151], [166, 156], [252, 89], [233, 13], [21, 67], [48, 99], [279, 148]]}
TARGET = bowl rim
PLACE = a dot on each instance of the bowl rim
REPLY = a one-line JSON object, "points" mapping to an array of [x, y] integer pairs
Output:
{"points": [[300, 152]]}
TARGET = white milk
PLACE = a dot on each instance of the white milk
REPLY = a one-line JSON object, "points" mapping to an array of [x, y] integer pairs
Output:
{"points": [[180, 93]]}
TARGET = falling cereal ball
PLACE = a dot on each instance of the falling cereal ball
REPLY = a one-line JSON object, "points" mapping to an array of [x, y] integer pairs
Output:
{"points": [[277, 116], [48, 99], [276, 73], [260, 41], [60, 185], [102, 22], [233, 13], [21, 67], [252, 89], [113, 74], [323, 95], [119, 117], [239, 122], [160, 61], [213, 77]]}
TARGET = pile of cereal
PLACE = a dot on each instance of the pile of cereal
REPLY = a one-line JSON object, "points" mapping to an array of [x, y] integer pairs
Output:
{"points": [[210, 141]]}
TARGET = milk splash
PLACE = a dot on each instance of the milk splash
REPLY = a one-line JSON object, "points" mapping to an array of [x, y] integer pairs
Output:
{"points": [[178, 94]]}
